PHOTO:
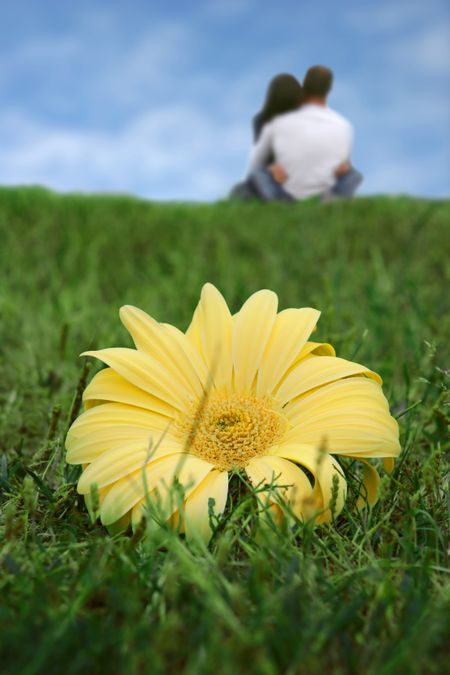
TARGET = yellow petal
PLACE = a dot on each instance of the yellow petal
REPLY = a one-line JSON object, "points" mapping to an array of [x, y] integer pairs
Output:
{"points": [[137, 513], [317, 348], [127, 492], [252, 327], [286, 480], [101, 494], [358, 440], [110, 426], [87, 449], [315, 371], [196, 510], [173, 520], [169, 348], [349, 417], [115, 528], [354, 392], [119, 415], [112, 465], [324, 468], [389, 463], [107, 385], [120, 525], [291, 329], [210, 332], [313, 349], [196, 360], [369, 488], [146, 373]]}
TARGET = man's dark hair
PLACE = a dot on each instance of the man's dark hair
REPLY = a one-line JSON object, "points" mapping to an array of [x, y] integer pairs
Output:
{"points": [[318, 82]]}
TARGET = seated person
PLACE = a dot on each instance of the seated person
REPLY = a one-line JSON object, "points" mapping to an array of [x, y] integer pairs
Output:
{"points": [[284, 94], [311, 147]]}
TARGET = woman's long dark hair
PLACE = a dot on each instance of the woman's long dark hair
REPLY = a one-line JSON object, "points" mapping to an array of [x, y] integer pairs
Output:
{"points": [[284, 94]]}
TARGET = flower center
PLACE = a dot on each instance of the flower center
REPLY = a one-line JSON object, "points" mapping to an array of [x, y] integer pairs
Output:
{"points": [[227, 430]]}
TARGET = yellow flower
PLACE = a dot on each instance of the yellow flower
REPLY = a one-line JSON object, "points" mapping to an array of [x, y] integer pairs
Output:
{"points": [[249, 392]]}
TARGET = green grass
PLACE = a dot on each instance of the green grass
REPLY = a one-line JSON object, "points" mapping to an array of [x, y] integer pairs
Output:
{"points": [[368, 594]]}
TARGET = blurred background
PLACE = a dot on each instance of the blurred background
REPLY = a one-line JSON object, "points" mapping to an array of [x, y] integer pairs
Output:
{"points": [[156, 98]]}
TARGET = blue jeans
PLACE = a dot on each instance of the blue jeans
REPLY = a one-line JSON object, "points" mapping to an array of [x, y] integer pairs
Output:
{"points": [[347, 184], [268, 190]]}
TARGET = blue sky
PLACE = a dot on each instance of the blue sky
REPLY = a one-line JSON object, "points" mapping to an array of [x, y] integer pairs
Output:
{"points": [[155, 98]]}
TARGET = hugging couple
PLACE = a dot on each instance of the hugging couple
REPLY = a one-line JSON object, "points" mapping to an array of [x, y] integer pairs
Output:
{"points": [[301, 146]]}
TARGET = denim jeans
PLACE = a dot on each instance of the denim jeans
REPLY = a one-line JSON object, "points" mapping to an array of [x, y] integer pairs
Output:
{"points": [[267, 189], [347, 184]]}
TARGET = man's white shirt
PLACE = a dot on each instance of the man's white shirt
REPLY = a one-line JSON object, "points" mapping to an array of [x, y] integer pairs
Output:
{"points": [[309, 144]]}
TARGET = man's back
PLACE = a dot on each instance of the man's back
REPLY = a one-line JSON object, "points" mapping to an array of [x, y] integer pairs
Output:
{"points": [[309, 144]]}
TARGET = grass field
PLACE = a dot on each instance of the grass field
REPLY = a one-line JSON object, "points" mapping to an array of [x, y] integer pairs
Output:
{"points": [[369, 593]]}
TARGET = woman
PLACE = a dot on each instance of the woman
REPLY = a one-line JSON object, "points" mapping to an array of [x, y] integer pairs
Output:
{"points": [[284, 94]]}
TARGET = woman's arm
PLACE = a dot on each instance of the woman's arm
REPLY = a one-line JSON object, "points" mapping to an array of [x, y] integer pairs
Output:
{"points": [[262, 150]]}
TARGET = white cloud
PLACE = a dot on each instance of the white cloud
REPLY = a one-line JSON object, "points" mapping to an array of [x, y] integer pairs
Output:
{"points": [[160, 149], [154, 62], [101, 65], [173, 153], [427, 51], [398, 174], [38, 56], [43, 51], [390, 17]]}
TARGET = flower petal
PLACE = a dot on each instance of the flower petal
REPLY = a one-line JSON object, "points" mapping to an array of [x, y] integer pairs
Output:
{"points": [[291, 329], [137, 513], [210, 331], [110, 426], [318, 348], [87, 449], [107, 385], [389, 463], [348, 417], [127, 492], [101, 494], [286, 481], [196, 510], [324, 468], [313, 349], [369, 488], [252, 327], [116, 414], [169, 347], [120, 525], [172, 518], [195, 359], [146, 373], [356, 392], [112, 465], [315, 371]]}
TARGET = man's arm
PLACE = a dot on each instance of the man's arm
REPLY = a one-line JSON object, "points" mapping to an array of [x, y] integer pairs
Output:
{"points": [[262, 149]]}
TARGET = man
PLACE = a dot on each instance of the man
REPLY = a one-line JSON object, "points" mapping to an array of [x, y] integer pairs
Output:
{"points": [[311, 146]]}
